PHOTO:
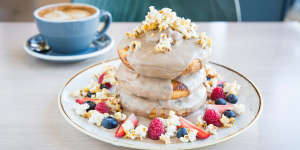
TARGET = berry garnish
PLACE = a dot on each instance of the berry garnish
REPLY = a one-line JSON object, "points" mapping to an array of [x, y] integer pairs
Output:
{"points": [[211, 116], [105, 85], [81, 101], [181, 132], [232, 98], [91, 104], [120, 131], [109, 123], [101, 78], [217, 93], [102, 107], [221, 84], [89, 94], [220, 101], [229, 113], [156, 128], [202, 134], [219, 108]]}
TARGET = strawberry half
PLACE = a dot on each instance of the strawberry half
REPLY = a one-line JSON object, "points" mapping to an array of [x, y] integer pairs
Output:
{"points": [[201, 134], [101, 78], [121, 132], [81, 101], [219, 108]]}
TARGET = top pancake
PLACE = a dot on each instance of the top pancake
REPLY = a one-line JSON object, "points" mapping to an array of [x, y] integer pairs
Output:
{"points": [[185, 57]]}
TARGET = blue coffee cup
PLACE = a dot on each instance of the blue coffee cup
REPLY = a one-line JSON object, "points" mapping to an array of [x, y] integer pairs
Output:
{"points": [[71, 36]]}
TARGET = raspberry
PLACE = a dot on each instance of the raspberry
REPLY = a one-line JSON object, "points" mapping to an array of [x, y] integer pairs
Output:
{"points": [[212, 117], [102, 108], [156, 128], [217, 93]]}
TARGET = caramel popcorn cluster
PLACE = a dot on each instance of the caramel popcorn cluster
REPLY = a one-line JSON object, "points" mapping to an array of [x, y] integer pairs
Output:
{"points": [[164, 19]]}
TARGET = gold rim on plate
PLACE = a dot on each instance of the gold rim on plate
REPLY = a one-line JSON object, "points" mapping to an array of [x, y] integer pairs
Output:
{"points": [[118, 143]]}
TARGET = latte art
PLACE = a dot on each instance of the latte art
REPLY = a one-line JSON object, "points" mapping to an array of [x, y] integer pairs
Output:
{"points": [[66, 13]]}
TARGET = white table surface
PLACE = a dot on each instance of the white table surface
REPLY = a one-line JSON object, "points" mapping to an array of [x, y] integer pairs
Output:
{"points": [[267, 53]]}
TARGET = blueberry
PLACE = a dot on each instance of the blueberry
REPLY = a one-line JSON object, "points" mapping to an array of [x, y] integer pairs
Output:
{"points": [[221, 85], [207, 78], [89, 94], [220, 101], [109, 123], [181, 132], [104, 86], [91, 104], [229, 113], [232, 98]]}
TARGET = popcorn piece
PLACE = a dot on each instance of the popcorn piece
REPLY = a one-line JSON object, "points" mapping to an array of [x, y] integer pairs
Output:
{"points": [[192, 133], [171, 130], [120, 116], [80, 109], [103, 94], [210, 101], [204, 41], [201, 123], [184, 139], [211, 72], [93, 86], [131, 134], [165, 138], [114, 104], [211, 129], [190, 137], [213, 82], [76, 94], [232, 88], [141, 131], [164, 44], [239, 108], [171, 124], [96, 117], [173, 119], [227, 122]]}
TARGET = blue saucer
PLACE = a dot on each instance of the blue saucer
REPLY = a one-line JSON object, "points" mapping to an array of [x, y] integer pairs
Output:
{"points": [[97, 47]]}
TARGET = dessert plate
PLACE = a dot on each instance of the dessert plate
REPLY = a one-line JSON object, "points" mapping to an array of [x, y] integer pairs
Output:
{"points": [[98, 47], [248, 95]]}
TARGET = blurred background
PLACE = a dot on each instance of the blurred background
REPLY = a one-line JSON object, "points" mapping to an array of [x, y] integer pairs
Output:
{"points": [[197, 10]]}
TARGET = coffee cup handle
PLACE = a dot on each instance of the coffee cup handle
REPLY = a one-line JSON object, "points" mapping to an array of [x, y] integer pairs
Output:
{"points": [[107, 22]]}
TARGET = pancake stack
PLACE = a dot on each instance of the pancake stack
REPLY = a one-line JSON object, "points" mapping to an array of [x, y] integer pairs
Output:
{"points": [[162, 66]]}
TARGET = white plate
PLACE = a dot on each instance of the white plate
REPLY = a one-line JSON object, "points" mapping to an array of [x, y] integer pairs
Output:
{"points": [[248, 95], [104, 44]]}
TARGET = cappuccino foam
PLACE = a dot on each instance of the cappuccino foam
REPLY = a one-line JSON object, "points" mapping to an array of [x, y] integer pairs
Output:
{"points": [[66, 12]]}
